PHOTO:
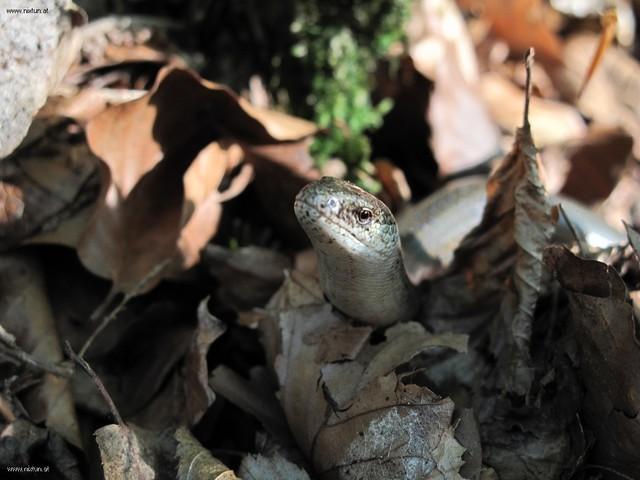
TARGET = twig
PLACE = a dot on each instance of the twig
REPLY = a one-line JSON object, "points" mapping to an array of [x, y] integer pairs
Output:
{"points": [[11, 350], [528, 65], [125, 299], [108, 319], [96, 380]]}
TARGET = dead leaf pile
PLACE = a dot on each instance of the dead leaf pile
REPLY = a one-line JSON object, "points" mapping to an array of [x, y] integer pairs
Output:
{"points": [[349, 411], [146, 225]]}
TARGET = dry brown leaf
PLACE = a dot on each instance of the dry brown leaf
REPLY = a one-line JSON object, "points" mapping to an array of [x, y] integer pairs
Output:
{"points": [[524, 24], [131, 452], [87, 103], [281, 170], [47, 185], [248, 276], [146, 215], [468, 434], [24, 444], [119, 38], [146, 375], [26, 313], [433, 25], [596, 164], [394, 183], [197, 463], [463, 134], [255, 397], [123, 456], [391, 430], [297, 290], [348, 411], [634, 239], [503, 257], [622, 203], [611, 97], [607, 336], [552, 122], [198, 395], [35, 53]]}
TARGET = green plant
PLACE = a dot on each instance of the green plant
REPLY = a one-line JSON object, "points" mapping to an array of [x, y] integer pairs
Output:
{"points": [[337, 45]]}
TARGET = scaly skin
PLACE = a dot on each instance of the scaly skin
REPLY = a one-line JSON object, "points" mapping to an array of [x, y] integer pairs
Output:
{"points": [[361, 263], [359, 256]]}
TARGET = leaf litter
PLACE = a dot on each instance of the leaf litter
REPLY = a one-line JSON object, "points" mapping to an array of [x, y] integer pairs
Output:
{"points": [[147, 220]]}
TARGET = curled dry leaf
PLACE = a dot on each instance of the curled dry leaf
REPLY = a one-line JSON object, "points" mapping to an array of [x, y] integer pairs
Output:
{"points": [[608, 344], [166, 155], [198, 395], [87, 103], [35, 53], [349, 412], [197, 463], [26, 313], [504, 254]]}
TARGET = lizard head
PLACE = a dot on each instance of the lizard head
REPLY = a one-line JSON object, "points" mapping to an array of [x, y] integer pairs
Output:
{"points": [[339, 216]]}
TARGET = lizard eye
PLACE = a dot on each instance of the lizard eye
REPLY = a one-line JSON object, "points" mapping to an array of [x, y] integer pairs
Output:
{"points": [[364, 216]]}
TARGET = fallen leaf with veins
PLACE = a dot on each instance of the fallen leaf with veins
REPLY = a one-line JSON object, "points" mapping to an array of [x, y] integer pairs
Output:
{"points": [[196, 462], [122, 454], [608, 345], [129, 452], [268, 467], [349, 412]]}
